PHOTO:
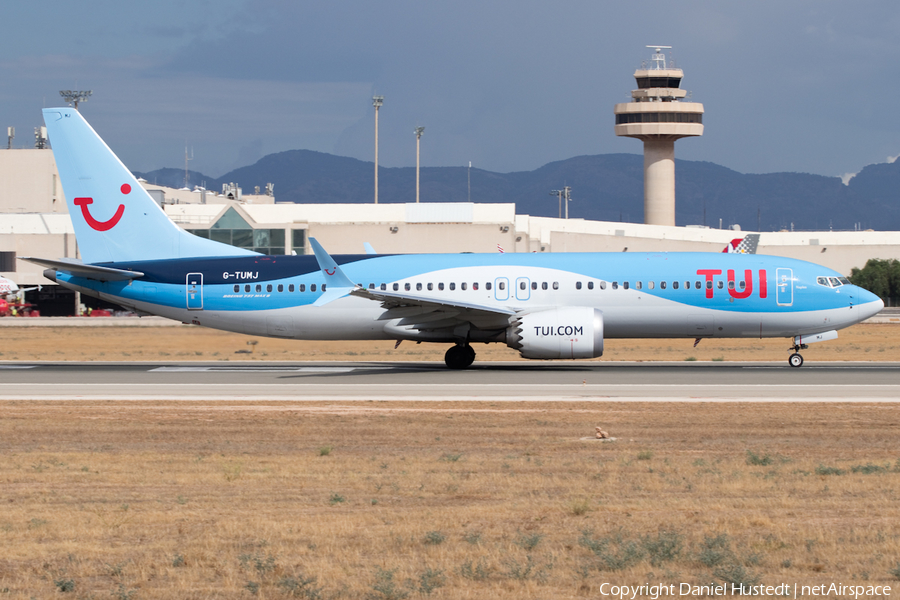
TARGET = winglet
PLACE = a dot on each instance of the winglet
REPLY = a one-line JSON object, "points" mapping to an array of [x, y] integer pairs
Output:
{"points": [[338, 284]]}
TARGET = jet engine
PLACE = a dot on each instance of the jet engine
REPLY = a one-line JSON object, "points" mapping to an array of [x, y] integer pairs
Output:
{"points": [[565, 332]]}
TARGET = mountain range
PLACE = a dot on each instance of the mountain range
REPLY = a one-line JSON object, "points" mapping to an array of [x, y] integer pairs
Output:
{"points": [[607, 187]]}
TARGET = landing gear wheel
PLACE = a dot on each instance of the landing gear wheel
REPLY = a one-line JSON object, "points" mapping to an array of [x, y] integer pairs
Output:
{"points": [[795, 360], [459, 357]]}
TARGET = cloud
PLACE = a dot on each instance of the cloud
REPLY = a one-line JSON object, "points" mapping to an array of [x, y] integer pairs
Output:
{"points": [[846, 177]]}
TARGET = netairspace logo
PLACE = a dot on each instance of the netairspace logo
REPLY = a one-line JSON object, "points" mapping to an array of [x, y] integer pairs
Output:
{"points": [[783, 590]]}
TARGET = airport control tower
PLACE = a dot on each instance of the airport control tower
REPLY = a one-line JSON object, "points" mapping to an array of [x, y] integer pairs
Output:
{"points": [[658, 116]]}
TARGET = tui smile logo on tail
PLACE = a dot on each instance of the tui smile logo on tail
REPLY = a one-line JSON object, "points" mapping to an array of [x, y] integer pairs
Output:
{"points": [[101, 225]]}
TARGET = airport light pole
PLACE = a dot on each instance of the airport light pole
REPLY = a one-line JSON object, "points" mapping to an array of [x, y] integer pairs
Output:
{"points": [[567, 195], [419, 131], [75, 96], [377, 101], [559, 195]]}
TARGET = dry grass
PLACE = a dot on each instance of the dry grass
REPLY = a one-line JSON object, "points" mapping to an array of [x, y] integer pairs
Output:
{"points": [[876, 342], [455, 500]]}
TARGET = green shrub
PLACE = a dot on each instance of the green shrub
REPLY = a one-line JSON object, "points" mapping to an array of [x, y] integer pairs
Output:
{"points": [[664, 547], [301, 587], [435, 538], [823, 470], [755, 460]]}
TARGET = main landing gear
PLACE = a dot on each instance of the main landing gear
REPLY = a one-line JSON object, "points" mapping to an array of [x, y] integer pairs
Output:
{"points": [[795, 360], [459, 356]]}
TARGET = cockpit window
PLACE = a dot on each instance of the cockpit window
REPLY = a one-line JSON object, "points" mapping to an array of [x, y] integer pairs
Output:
{"points": [[823, 281], [835, 282], [844, 280]]}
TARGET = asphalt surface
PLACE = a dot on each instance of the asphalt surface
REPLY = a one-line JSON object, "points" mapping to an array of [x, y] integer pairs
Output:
{"points": [[488, 381]]}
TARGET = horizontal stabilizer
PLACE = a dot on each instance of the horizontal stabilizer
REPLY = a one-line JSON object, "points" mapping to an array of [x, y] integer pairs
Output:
{"points": [[78, 268]]}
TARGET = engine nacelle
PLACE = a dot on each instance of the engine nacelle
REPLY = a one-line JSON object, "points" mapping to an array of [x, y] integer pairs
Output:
{"points": [[565, 332]]}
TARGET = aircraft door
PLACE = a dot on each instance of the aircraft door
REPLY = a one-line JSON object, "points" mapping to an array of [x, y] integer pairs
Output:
{"points": [[523, 288], [784, 285], [501, 288], [194, 287]]}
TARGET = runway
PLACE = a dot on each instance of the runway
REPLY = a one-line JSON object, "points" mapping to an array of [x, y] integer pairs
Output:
{"points": [[431, 381]]}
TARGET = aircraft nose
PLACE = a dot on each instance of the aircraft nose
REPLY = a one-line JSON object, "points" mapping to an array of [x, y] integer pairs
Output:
{"points": [[869, 304]]}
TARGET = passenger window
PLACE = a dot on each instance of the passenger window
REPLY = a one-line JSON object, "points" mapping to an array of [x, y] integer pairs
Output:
{"points": [[280, 287], [534, 285], [555, 285], [323, 287], [291, 288], [720, 285], [730, 285], [602, 285], [430, 286], [625, 286], [452, 286], [522, 285], [590, 285], [441, 286], [269, 287], [418, 287], [406, 287], [371, 286], [697, 285], [475, 286], [687, 285], [462, 286], [577, 285], [237, 288], [544, 286], [502, 285], [396, 287], [743, 285], [258, 287], [487, 286], [651, 285], [662, 285], [302, 287], [835, 282], [709, 284], [615, 285], [247, 288], [383, 287], [638, 285], [312, 287], [674, 285]]}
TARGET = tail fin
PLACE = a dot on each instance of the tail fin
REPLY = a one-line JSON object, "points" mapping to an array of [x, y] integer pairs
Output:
{"points": [[114, 218], [745, 245]]}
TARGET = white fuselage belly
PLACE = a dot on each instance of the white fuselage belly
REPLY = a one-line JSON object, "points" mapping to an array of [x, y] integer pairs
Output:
{"points": [[357, 319]]}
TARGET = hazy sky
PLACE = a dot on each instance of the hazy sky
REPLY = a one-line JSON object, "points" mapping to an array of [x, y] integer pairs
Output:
{"points": [[807, 86]]}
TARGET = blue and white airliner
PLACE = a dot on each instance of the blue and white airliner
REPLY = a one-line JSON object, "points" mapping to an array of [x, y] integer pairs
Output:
{"points": [[546, 306]]}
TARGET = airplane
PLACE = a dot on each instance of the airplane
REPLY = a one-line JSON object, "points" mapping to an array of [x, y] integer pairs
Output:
{"points": [[546, 306], [8, 287]]}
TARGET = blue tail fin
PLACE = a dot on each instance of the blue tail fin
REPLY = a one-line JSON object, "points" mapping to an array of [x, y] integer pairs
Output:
{"points": [[115, 219]]}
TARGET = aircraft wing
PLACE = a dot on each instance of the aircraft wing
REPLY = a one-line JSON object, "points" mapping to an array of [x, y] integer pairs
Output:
{"points": [[413, 312], [427, 314], [76, 267]]}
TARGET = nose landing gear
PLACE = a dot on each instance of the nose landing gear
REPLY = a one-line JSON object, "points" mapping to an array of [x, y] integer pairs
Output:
{"points": [[459, 356]]}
